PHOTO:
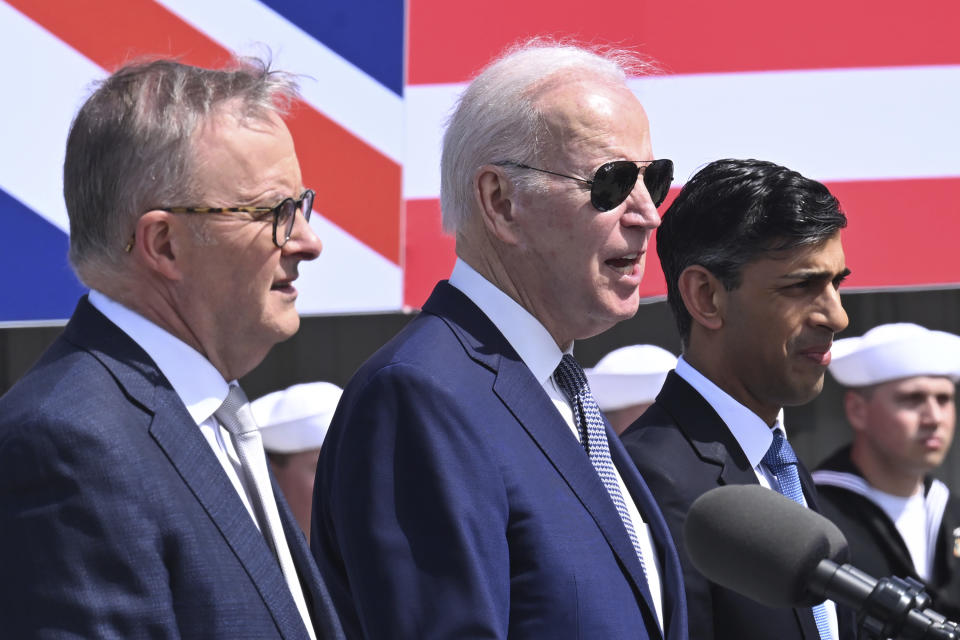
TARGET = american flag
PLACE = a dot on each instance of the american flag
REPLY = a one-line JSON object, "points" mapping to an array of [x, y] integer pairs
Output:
{"points": [[864, 96]]}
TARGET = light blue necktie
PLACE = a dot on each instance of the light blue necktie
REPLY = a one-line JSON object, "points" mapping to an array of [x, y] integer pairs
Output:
{"points": [[782, 462], [586, 415]]}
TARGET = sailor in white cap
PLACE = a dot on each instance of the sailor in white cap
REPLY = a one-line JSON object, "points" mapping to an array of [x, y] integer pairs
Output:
{"points": [[627, 380], [898, 519], [293, 423]]}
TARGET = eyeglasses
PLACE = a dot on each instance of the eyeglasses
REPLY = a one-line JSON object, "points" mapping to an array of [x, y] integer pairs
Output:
{"points": [[284, 215], [614, 181]]}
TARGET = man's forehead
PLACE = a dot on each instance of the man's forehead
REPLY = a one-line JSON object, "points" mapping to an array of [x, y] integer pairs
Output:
{"points": [[240, 166], [594, 113], [823, 257], [585, 98], [914, 384]]}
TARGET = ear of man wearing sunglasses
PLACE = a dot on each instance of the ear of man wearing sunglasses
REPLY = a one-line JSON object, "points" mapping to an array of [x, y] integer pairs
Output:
{"points": [[494, 501]]}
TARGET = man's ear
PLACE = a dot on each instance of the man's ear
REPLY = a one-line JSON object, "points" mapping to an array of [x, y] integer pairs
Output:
{"points": [[157, 241], [496, 198], [703, 295], [855, 406]]}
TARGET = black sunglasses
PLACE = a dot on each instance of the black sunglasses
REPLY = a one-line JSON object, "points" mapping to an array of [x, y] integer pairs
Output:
{"points": [[614, 181], [284, 213]]}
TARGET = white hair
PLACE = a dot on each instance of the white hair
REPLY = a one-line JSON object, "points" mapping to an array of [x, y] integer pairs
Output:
{"points": [[498, 119]]}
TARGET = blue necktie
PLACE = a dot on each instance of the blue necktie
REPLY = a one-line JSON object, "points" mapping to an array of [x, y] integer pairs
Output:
{"points": [[593, 434], [782, 462]]}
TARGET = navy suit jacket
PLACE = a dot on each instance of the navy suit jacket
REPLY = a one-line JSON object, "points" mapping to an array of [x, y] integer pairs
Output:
{"points": [[452, 500], [683, 449], [117, 520]]}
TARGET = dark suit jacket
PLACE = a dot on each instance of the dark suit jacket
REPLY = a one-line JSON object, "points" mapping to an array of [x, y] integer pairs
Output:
{"points": [[452, 501], [117, 520], [683, 449]]}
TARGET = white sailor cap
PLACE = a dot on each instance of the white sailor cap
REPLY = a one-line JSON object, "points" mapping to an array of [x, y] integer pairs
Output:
{"points": [[630, 375], [296, 419], [894, 351]]}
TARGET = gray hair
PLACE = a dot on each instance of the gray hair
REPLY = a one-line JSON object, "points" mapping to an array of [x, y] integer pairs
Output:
{"points": [[129, 148], [498, 119]]}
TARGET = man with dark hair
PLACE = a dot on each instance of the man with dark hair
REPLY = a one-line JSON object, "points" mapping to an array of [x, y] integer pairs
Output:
{"points": [[900, 384], [752, 257], [135, 499], [468, 486]]}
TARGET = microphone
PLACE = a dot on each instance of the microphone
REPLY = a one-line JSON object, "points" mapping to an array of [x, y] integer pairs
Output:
{"points": [[769, 548]]}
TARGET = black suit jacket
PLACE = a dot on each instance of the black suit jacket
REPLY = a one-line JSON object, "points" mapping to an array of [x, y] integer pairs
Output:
{"points": [[683, 449], [116, 518]]}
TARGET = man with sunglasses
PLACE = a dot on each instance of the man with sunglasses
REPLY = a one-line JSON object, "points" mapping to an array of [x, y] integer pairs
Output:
{"points": [[752, 256], [135, 499], [469, 486]]}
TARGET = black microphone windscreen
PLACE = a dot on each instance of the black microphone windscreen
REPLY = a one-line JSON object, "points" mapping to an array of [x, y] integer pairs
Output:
{"points": [[761, 544]]}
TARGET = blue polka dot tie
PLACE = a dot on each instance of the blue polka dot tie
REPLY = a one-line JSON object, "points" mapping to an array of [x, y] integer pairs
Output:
{"points": [[586, 415], [782, 462]]}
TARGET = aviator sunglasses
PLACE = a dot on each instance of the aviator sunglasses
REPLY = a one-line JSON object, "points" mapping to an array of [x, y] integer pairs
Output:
{"points": [[614, 181]]}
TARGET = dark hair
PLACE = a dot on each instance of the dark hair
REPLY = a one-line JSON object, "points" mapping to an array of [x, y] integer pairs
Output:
{"points": [[734, 211], [129, 148]]}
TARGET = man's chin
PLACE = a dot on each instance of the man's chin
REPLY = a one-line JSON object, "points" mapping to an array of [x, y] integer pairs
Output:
{"points": [[625, 309], [802, 394], [286, 325]]}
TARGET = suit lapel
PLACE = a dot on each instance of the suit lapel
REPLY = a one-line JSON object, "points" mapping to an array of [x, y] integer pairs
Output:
{"points": [[707, 433], [808, 486], [713, 441], [325, 619], [525, 398], [674, 597], [178, 436], [176, 433]]}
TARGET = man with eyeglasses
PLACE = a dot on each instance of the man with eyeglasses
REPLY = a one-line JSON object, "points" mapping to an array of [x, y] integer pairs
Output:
{"points": [[135, 499], [753, 260], [468, 485]]}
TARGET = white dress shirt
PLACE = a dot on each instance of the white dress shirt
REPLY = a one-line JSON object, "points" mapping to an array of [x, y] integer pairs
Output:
{"points": [[196, 382], [752, 434], [540, 353]]}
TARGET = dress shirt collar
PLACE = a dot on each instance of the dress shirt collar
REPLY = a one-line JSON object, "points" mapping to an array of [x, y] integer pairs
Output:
{"points": [[196, 382], [752, 434], [530, 339]]}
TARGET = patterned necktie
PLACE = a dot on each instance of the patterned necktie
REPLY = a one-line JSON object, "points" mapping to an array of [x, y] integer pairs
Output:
{"points": [[782, 462], [593, 434], [235, 415]]}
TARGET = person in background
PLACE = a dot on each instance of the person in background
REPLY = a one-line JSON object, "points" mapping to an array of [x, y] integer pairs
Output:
{"points": [[468, 486], [293, 423], [626, 381], [753, 260], [135, 498], [900, 384]]}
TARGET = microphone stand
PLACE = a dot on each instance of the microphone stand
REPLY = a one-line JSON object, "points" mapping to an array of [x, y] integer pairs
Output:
{"points": [[894, 608]]}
